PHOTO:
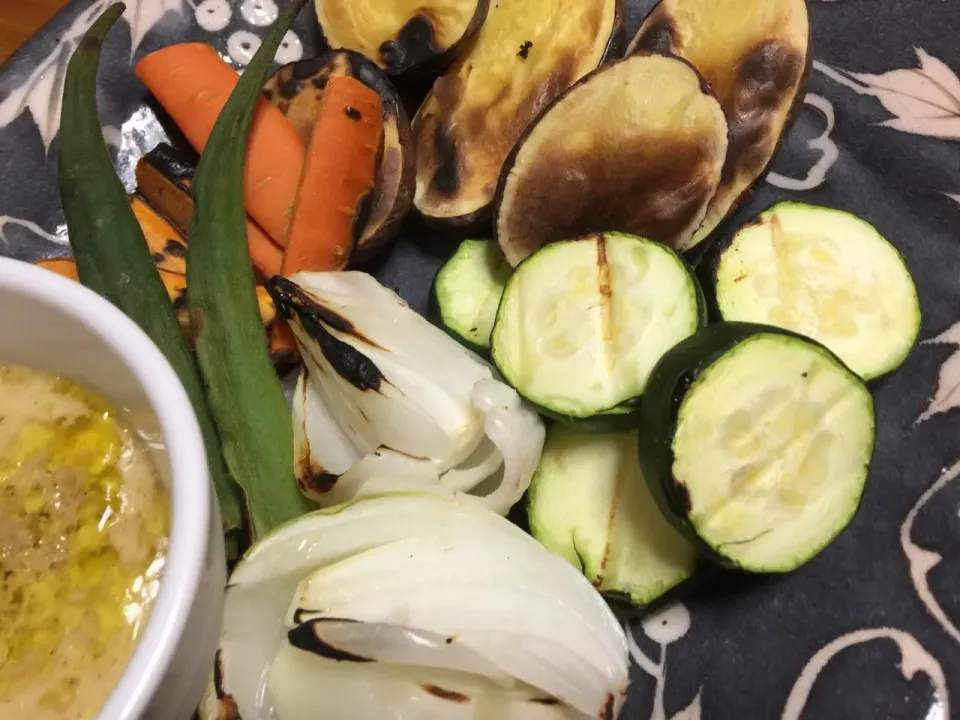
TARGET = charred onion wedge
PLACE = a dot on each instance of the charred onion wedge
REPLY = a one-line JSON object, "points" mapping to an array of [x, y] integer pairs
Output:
{"points": [[297, 89], [525, 55], [636, 146], [755, 54], [403, 35]]}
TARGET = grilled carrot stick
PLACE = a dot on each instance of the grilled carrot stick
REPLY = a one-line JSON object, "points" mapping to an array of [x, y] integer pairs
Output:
{"points": [[192, 83], [339, 172]]}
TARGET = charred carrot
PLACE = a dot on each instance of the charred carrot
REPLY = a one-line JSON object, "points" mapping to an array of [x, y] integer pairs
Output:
{"points": [[338, 173], [173, 200], [192, 83], [176, 287], [61, 266]]}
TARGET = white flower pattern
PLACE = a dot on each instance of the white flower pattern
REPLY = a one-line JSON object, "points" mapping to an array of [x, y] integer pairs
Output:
{"points": [[663, 627], [41, 92], [823, 144]]}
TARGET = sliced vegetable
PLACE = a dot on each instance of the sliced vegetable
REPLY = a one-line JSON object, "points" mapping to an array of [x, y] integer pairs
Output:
{"points": [[582, 322], [338, 175], [66, 267], [590, 505], [176, 287], [170, 193], [166, 244], [648, 168], [466, 292], [244, 391], [390, 402], [298, 88], [337, 179], [757, 444], [404, 36], [825, 274], [408, 603], [755, 54], [192, 83], [525, 55], [111, 254]]}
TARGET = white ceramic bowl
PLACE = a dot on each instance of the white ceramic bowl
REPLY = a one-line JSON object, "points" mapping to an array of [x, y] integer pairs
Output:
{"points": [[57, 325]]}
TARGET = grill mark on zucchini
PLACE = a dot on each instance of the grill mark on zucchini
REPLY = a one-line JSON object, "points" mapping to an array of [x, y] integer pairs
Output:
{"points": [[110, 248], [611, 518], [606, 299]]}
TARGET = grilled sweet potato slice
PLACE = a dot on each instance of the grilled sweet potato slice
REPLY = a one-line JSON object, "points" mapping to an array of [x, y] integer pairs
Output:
{"points": [[401, 36], [755, 54], [524, 56], [637, 147]]}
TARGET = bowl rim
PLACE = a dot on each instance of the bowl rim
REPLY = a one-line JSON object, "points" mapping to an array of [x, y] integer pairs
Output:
{"points": [[190, 494]]}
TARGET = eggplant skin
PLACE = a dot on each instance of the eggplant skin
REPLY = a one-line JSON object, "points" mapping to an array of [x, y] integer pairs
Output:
{"points": [[526, 53], [297, 90], [639, 170], [757, 67], [403, 37]]}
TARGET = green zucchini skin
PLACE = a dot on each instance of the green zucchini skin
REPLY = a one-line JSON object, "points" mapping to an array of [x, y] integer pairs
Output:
{"points": [[110, 250], [245, 394], [669, 383], [446, 282], [625, 416], [436, 316]]}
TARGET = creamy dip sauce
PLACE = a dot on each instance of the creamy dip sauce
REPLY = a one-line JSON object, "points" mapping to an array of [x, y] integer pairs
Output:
{"points": [[83, 530]]}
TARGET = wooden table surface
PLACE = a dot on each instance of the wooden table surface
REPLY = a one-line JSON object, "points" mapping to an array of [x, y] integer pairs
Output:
{"points": [[19, 19]]}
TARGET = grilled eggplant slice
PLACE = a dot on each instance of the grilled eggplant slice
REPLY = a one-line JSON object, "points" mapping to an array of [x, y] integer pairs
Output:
{"points": [[636, 146], [403, 36], [297, 89], [755, 54], [525, 55]]}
